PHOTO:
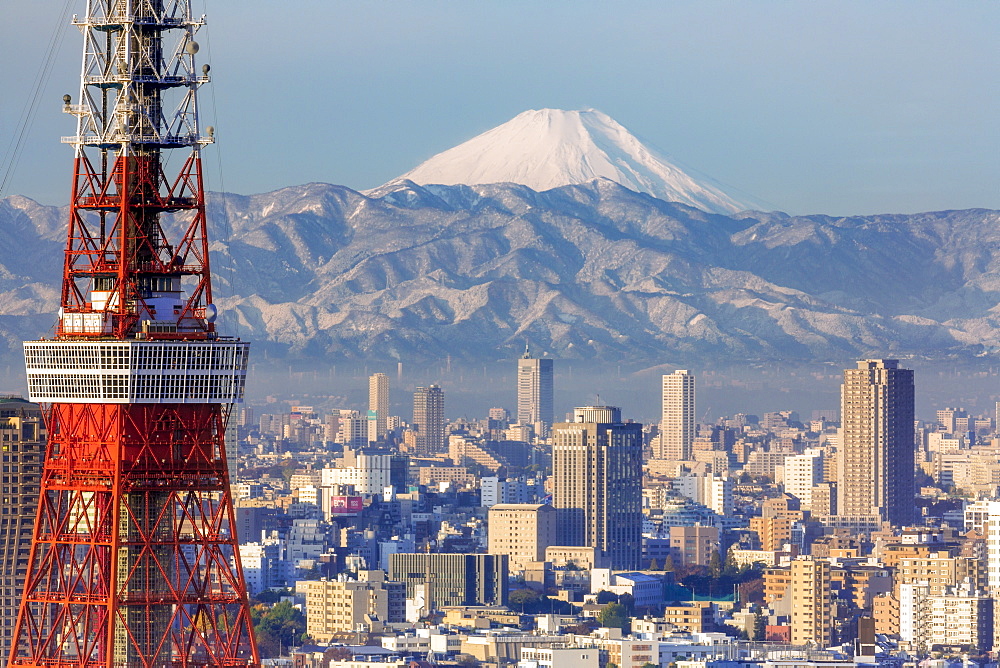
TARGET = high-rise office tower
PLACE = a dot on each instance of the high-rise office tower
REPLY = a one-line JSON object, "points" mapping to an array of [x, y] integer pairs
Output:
{"points": [[428, 420], [678, 423], [534, 390], [378, 406], [875, 470], [22, 433], [597, 471]]}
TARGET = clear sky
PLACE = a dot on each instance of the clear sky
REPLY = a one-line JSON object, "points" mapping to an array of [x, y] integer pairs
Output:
{"points": [[818, 106]]}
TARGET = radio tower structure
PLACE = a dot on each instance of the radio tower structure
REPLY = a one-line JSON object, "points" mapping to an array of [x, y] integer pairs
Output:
{"points": [[134, 562]]}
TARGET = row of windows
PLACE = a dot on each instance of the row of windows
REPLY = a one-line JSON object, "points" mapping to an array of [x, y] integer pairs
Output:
{"points": [[136, 355], [90, 356], [64, 387]]}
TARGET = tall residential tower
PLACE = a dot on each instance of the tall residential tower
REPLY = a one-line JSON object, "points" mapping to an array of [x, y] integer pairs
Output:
{"points": [[22, 433], [428, 420], [876, 465], [678, 423], [378, 406]]}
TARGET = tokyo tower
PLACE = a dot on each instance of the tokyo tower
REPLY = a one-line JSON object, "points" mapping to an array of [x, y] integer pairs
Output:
{"points": [[134, 562]]}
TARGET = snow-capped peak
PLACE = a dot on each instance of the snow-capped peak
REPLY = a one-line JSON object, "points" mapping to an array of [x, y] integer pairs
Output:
{"points": [[547, 148]]}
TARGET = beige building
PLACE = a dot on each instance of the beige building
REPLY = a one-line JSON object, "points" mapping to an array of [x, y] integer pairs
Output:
{"points": [[522, 531], [346, 606], [774, 532], [810, 598], [694, 617], [378, 406], [22, 434], [876, 469], [961, 617], [583, 558], [938, 570], [678, 423], [693, 546]]}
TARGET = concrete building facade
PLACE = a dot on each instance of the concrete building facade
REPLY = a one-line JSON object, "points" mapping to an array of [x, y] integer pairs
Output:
{"points": [[453, 579], [535, 383], [522, 531], [428, 420], [597, 474], [678, 422], [22, 435], [876, 467]]}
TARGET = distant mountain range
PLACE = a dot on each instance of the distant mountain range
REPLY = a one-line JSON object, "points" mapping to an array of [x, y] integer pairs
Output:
{"points": [[591, 271], [561, 230]]}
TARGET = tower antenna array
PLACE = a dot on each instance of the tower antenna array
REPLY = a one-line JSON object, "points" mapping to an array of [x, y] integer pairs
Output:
{"points": [[134, 562]]}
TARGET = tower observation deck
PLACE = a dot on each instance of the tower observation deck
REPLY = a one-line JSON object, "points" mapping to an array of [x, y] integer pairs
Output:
{"points": [[134, 562]]}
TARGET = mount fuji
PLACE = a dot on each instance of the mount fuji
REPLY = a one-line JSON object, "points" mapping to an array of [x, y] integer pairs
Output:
{"points": [[549, 148]]}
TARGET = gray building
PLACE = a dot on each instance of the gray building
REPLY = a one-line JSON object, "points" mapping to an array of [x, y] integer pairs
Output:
{"points": [[428, 420], [534, 390], [455, 579], [22, 435], [597, 492]]}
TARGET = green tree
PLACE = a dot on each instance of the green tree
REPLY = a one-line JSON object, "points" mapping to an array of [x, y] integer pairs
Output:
{"points": [[731, 568], [668, 563], [654, 565], [523, 599], [715, 565], [277, 628], [759, 626], [614, 615], [270, 596], [605, 596]]}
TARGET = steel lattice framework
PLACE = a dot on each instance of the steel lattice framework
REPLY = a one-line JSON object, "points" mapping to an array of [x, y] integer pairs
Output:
{"points": [[134, 562]]}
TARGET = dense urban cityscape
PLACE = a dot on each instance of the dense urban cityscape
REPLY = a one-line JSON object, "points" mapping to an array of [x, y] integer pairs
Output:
{"points": [[543, 536]]}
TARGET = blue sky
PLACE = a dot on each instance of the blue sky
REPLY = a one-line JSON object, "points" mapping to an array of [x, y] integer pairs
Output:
{"points": [[815, 107]]}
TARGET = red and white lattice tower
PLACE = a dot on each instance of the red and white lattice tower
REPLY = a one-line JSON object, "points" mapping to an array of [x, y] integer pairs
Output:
{"points": [[134, 563]]}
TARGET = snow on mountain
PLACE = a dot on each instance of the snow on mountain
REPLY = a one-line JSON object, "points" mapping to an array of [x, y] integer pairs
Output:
{"points": [[548, 148], [592, 271]]}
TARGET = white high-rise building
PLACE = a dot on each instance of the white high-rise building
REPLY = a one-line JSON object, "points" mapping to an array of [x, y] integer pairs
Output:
{"points": [[711, 491], [368, 472], [678, 423], [988, 514], [802, 473], [378, 406]]}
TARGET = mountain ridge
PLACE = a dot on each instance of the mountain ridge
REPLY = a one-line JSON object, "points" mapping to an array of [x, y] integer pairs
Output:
{"points": [[592, 271]]}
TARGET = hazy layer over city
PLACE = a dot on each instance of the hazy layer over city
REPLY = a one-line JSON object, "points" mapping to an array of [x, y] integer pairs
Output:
{"points": [[471, 392]]}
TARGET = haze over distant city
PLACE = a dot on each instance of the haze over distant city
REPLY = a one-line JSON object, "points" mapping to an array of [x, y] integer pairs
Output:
{"points": [[835, 107]]}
